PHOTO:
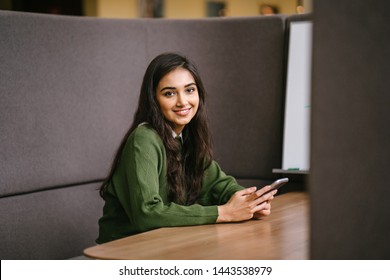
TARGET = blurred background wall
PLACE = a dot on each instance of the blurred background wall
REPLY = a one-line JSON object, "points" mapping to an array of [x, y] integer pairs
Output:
{"points": [[159, 8]]}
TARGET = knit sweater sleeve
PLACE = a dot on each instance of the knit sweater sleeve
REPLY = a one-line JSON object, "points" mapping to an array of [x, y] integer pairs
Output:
{"points": [[142, 190], [217, 186]]}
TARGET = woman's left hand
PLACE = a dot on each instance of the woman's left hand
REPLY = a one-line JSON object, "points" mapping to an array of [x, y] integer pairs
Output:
{"points": [[265, 205], [264, 212]]}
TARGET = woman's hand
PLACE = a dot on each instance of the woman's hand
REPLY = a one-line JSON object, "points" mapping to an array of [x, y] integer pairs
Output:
{"points": [[265, 212], [246, 204], [266, 206]]}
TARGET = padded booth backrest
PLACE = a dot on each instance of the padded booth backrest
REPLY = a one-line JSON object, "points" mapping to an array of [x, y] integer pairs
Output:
{"points": [[68, 90]]}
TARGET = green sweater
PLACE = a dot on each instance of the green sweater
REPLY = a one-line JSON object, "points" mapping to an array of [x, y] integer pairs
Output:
{"points": [[137, 198]]}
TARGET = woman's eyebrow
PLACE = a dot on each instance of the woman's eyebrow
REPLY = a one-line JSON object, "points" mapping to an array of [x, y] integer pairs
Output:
{"points": [[171, 88], [164, 88]]}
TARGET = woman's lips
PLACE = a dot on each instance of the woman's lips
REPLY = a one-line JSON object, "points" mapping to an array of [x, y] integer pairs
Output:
{"points": [[182, 112]]}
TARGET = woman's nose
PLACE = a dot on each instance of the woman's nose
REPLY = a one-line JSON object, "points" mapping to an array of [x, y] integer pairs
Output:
{"points": [[181, 100]]}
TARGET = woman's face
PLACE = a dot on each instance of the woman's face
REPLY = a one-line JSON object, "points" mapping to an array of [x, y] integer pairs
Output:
{"points": [[177, 95]]}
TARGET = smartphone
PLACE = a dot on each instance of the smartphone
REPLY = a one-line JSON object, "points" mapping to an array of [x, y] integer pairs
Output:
{"points": [[277, 184]]}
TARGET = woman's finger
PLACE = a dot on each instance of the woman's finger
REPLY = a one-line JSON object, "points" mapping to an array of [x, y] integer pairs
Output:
{"points": [[246, 191], [263, 190], [265, 198]]}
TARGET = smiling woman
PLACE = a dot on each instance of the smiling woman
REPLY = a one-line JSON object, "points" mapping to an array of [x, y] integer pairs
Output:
{"points": [[157, 181]]}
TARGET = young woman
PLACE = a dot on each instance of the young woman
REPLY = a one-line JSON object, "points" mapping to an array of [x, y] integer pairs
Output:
{"points": [[163, 173]]}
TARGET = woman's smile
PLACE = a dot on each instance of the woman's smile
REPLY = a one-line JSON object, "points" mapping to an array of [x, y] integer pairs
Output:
{"points": [[182, 112]]}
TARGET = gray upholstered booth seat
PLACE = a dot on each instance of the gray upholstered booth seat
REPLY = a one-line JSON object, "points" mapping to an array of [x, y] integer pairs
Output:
{"points": [[51, 224], [68, 91]]}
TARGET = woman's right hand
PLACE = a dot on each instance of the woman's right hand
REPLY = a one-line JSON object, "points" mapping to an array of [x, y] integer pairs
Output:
{"points": [[244, 204]]}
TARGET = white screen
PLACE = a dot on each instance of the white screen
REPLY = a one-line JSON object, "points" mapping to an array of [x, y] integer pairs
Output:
{"points": [[296, 145]]}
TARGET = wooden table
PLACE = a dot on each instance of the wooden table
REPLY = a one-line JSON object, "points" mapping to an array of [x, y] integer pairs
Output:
{"points": [[282, 235]]}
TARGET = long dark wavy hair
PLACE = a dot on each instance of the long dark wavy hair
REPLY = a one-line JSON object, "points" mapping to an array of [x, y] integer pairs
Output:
{"points": [[186, 164]]}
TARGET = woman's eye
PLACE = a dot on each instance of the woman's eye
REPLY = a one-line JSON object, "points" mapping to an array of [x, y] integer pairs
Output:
{"points": [[190, 90], [169, 93]]}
